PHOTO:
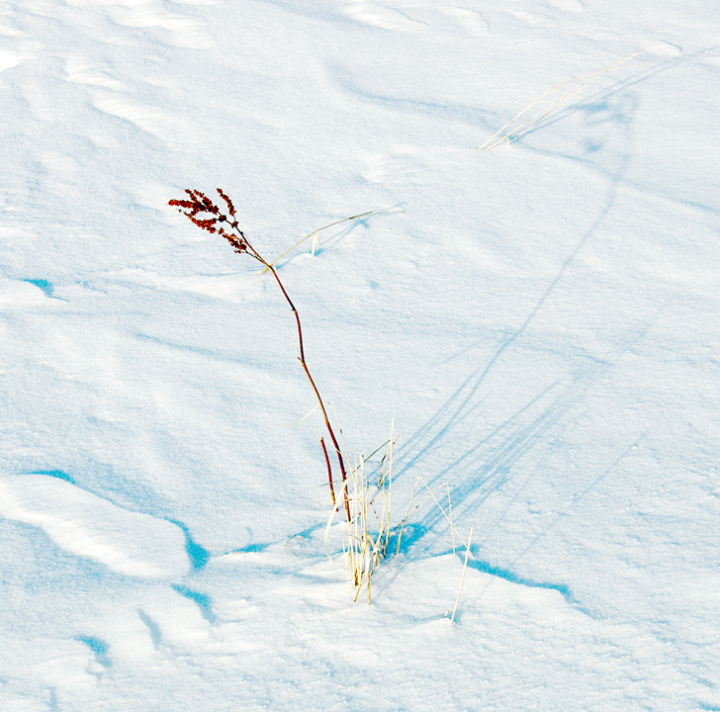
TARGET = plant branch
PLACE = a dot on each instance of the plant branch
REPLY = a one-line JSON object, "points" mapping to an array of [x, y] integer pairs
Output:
{"points": [[207, 216]]}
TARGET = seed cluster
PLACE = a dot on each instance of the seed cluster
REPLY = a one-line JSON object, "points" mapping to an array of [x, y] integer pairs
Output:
{"points": [[207, 216]]}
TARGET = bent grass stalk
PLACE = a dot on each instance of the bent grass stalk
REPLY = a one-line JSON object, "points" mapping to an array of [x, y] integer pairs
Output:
{"points": [[314, 233], [201, 211], [369, 529], [513, 134], [366, 535]]}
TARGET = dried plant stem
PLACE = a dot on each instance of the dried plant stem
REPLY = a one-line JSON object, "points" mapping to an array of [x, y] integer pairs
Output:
{"points": [[329, 469], [200, 210], [301, 358]]}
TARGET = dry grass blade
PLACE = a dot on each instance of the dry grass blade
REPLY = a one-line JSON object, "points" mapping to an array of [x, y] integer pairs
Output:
{"points": [[442, 510], [462, 578], [297, 422], [430, 495], [513, 134], [314, 233], [452, 527]]}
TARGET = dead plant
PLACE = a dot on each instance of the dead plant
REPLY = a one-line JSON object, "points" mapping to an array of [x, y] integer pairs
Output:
{"points": [[204, 213]]}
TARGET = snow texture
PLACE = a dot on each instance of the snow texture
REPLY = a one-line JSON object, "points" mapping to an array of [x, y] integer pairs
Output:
{"points": [[540, 321]]}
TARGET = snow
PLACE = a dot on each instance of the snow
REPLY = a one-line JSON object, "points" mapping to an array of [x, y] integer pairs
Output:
{"points": [[84, 524], [540, 321]]}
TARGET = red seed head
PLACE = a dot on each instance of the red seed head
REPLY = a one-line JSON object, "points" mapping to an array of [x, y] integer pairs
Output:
{"points": [[206, 215], [229, 202]]}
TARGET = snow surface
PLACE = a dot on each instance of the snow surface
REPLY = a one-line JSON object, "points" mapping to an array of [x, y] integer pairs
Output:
{"points": [[540, 321]]}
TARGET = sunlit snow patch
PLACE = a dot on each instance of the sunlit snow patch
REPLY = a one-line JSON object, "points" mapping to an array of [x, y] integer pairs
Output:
{"points": [[8, 59], [87, 525], [22, 293]]}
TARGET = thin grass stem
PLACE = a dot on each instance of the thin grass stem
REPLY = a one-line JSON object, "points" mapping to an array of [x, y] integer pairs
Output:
{"points": [[314, 233], [512, 135], [452, 528], [462, 578]]}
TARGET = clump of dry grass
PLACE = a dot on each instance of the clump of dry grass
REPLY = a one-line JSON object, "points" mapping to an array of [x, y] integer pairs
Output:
{"points": [[367, 535]]}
